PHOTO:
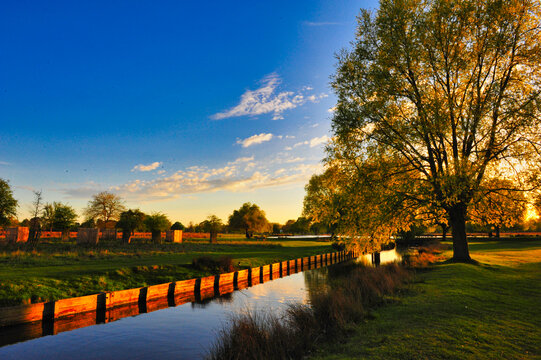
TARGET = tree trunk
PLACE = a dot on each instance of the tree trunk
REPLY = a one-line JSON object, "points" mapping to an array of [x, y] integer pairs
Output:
{"points": [[444, 229], [249, 234], [457, 215], [213, 235], [157, 237], [126, 236], [497, 231]]}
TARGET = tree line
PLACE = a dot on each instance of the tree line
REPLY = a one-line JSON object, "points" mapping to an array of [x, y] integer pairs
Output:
{"points": [[106, 210]]}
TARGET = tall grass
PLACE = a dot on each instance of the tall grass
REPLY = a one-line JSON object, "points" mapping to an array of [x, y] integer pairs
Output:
{"points": [[353, 291]]}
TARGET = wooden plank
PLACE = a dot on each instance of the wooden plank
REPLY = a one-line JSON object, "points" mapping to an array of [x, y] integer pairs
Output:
{"points": [[207, 282], [157, 304], [275, 269], [122, 311], [242, 275], [23, 313], [265, 270], [122, 297], [226, 279], [255, 275], [284, 268], [292, 266], [158, 291], [75, 305], [185, 287]]}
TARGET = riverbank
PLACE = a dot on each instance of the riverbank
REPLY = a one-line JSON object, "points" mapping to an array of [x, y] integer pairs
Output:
{"points": [[57, 270], [458, 311]]}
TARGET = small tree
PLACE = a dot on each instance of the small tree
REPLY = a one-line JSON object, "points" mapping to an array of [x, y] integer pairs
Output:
{"points": [[47, 216], [156, 223], [212, 225], [8, 205], [64, 218], [35, 222], [249, 218], [105, 206], [177, 226], [130, 221]]}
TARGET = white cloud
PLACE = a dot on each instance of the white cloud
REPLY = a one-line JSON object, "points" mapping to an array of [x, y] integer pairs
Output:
{"points": [[4, 163], [332, 110], [319, 140], [255, 139], [148, 167], [301, 143], [265, 100], [288, 148]]}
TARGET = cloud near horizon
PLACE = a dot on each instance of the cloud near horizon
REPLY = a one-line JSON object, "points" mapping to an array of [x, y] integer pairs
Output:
{"points": [[233, 177], [265, 100], [148, 167]]}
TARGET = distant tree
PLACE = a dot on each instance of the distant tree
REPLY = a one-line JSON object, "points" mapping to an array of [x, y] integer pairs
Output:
{"points": [[105, 206], [25, 223], [64, 218], [156, 223], [301, 226], [499, 204], [8, 205], [88, 223], [47, 216], [276, 228], [35, 224], [212, 225], [287, 228], [177, 226], [130, 221], [537, 205], [249, 218]]}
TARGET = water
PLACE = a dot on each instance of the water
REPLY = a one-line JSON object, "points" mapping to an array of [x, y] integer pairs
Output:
{"points": [[183, 332]]}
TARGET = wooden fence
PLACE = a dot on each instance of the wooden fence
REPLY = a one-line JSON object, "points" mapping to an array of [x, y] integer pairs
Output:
{"points": [[109, 306]]}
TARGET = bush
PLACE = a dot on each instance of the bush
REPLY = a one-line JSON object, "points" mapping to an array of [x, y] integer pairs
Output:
{"points": [[214, 265], [338, 246]]}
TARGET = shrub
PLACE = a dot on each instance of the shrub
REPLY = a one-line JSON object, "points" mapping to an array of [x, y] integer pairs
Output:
{"points": [[214, 265]]}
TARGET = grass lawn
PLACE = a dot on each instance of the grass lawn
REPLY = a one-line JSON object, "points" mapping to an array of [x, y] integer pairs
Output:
{"points": [[58, 270], [459, 311]]}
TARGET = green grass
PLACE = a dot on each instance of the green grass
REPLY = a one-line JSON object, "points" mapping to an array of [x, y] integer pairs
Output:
{"points": [[459, 311], [57, 270]]}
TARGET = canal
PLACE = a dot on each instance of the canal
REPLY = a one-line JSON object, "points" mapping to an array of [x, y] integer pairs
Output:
{"points": [[182, 332]]}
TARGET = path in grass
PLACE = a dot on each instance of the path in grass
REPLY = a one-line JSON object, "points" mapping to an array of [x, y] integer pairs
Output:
{"points": [[459, 311], [61, 270]]}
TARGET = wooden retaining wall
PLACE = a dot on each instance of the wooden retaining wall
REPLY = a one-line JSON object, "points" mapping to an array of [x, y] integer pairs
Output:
{"points": [[109, 306]]}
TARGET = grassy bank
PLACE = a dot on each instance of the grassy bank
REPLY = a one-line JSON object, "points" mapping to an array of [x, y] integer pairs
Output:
{"points": [[458, 311], [56, 270]]}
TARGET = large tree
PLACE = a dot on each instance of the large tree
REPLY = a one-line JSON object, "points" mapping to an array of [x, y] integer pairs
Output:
{"points": [[249, 218], [105, 206], [8, 204], [437, 95]]}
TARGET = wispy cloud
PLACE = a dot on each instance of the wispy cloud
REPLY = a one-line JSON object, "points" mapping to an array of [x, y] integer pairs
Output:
{"points": [[233, 178], [266, 100], [255, 139], [4, 163], [321, 23], [148, 167]]}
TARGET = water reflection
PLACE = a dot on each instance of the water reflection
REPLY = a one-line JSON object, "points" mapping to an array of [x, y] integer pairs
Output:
{"points": [[184, 331]]}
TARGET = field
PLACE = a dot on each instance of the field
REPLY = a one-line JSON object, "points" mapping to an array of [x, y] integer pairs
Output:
{"points": [[490, 310], [58, 270]]}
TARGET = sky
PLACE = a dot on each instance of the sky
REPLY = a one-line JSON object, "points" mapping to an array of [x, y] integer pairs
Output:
{"points": [[187, 108]]}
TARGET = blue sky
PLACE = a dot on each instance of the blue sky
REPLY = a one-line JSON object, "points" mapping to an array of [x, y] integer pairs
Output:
{"points": [[186, 108]]}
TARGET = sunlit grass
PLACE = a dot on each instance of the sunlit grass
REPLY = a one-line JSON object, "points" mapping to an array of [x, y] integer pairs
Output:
{"points": [[56, 270], [460, 311]]}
